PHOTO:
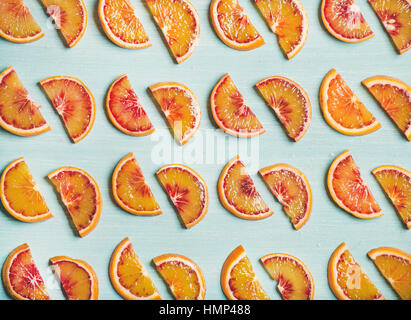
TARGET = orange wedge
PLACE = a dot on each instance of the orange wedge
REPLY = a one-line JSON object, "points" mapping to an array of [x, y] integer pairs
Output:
{"points": [[182, 275], [124, 109], [348, 189], [80, 195], [394, 96], [179, 23], [342, 109], [290, 103], [121, 24], [181, 109], [70, 17], [77, 278], [395, 266], [233, 26], [187, 190], [396, 183], [344, 20], [21, 278], [288, 20], [16, 22], [128, 276], [230, 111], [291, 188], [295, 281]]}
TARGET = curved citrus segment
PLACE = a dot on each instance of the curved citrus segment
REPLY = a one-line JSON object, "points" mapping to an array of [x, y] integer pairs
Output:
{"points": [[124, 109], [348, 189], [288, 20], [233, 26], [21, 278], [20, 194], [70, 17], [290, 103], [230, 111], [187, 190], [130, 189], [181, 108], [395, 266], [396, 183], [121, 24], [394, 96], [342, 109], [295, 281], [80, 195], [179, 23], [182, 275], [291, 188], [238, 193], [344, 20], [77, 278], [128, 276], [16, 22], [19, 114]]}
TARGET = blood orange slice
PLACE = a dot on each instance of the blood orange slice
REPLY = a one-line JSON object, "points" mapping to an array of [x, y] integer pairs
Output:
{"points": [[295, 281], [348, 189], [80, 195], [130, 189], [291, 188], [21, 278], [187, 190], [230, 111], [181, 109], [179, 23], [290, 103], [182, 275], [77, 278], [128, 276], [233, 26], [344, 20]]}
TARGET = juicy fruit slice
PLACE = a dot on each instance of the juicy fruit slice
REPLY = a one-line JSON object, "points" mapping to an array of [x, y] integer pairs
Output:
{"points": [[348, 189], [187, 190], [395, 15], [16, 22], [394, 96], [130, 189], [181, 109], [179, 23], [80, 195], [238, 193], [290, 103], [74, 103], [124, 109], [233, 26], [295, 281], [291, 188], [342, 109], [396, 183], [19, 114], [70, 17], [77, 278], [182, 275], [20, 194], [121, 24], [21, 278], [395, 266], [230, 111], [238, 279], [288, 20], [128, 276], [344, 20]]}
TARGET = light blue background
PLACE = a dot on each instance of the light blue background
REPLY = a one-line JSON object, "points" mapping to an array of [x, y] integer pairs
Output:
{"points": [[97, 62]]}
